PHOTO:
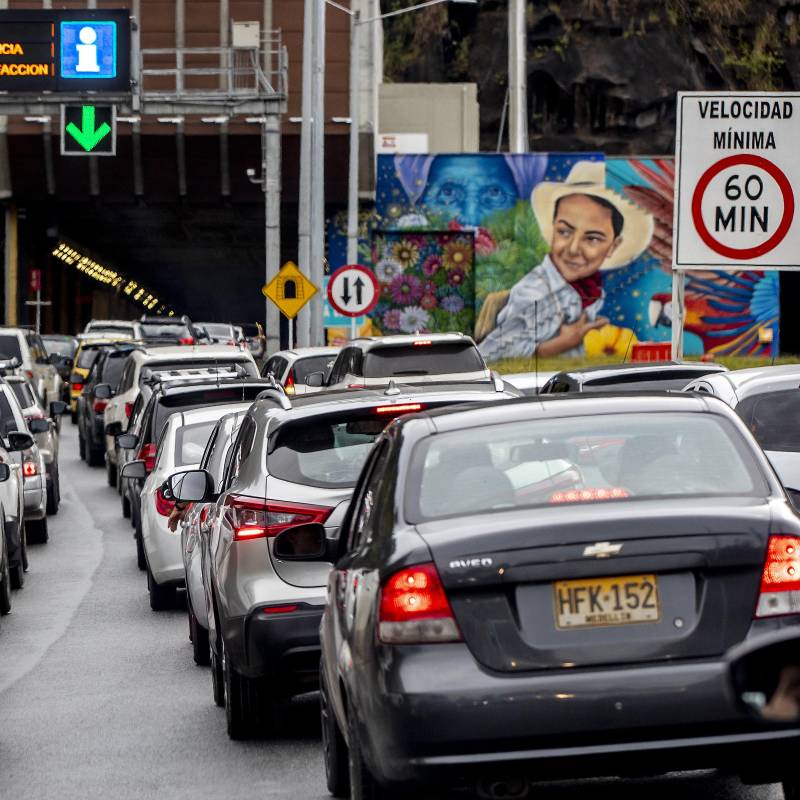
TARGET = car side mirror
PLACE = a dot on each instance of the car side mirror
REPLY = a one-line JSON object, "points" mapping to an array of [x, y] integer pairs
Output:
{"points": [[193, 486], [39, 426], [127, 441], [56, 359], [134, 469], [302, 543], [17, 440], [57, 408], [315, 379], [5, 473], [103, 391]]}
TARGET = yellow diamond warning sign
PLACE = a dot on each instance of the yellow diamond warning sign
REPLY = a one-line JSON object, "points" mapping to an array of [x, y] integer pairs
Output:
{"points": [[290, 290]]}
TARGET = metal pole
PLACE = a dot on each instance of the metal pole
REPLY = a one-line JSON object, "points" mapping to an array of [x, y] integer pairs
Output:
{"points": [[304, 200], [517, 77], [38, 311], [317, 228], [678, 312], [271, 177], [355, 117], [291, 332]]}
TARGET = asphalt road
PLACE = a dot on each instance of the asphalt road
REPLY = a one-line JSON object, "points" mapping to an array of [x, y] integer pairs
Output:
{"points": [[100, 698]]}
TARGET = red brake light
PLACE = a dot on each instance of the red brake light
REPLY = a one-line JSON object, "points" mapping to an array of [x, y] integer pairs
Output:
{"points": [[399, 409], [30, 469], [588, 495], [414, 608], [128, 410], [780, 580], [147, 453], [289, 385], [356, 386], [187, 340], [423, 343], [76, 387], [164, 506], [100, 405], [251, 518], [279, 609], [29, 373]]}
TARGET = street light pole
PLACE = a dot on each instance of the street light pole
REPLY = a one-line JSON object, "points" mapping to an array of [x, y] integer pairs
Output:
{"points": [[355, 120], [517, 77]]}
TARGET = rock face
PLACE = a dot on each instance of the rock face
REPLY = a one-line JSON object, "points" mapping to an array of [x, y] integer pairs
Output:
{"points": [[602, 74]]}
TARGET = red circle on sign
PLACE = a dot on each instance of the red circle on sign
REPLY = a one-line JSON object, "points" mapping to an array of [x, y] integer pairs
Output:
{"points": [[788, 206], [370, 276]]}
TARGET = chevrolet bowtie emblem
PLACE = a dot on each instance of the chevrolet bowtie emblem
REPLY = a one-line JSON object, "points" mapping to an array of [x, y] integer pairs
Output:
{"points": [[601, 550]]}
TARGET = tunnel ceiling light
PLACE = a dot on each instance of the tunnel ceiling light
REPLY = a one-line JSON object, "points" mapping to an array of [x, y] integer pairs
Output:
{"points": [[341, 120], [170, 120], [220, 120], [39, 120], [130, 120]]}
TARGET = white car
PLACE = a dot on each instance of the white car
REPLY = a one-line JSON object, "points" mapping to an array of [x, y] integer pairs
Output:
{"points": [[143, 364], [10, 577], [114, 328], [290, 368], [28, 348], [180, 447]]}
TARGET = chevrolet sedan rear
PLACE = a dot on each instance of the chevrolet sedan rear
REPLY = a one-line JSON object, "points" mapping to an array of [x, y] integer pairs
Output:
{"points": [[540, 590]]}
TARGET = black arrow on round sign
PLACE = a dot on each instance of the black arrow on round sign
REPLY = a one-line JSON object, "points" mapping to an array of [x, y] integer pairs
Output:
{"points": [[346, 293], [359, 284]]}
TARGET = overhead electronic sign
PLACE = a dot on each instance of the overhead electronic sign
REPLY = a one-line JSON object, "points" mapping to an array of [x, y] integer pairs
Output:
{"points": [[65, 50]]}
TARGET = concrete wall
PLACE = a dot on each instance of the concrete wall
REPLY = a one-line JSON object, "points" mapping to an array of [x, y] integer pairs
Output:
{"points": [[447, 112]]}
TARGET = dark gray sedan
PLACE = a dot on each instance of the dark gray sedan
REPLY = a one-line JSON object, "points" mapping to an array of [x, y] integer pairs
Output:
{"points": [[548, 589]]}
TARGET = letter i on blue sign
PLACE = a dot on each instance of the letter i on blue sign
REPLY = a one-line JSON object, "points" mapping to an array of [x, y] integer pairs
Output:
{"points": [[88, 49]]}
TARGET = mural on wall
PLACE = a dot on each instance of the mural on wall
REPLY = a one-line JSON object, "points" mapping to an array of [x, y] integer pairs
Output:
{"points": [[571, 254]]}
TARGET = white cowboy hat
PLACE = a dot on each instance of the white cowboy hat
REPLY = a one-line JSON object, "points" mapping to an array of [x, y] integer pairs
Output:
{"points": [[589, 177]]}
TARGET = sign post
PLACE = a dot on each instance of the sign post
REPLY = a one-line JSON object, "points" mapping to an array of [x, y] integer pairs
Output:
{"points": [[35, 285], [353, 290], [736, 169], [290, 290]]}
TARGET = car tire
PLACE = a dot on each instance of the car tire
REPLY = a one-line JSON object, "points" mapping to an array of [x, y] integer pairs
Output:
{"points": [[126, 506], [37, 531], [95, 457], [111, 472], [81, 445], [73, 416], [217, 680], [201, 651], [791, 789], [17, 573], [161, 597], [334, 747], [243, 702], [363, 785], [24, 539], [5, 589], [53, 493], [141, 557]]}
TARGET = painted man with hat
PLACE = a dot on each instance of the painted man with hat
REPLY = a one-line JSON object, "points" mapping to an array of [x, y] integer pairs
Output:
{"points": [[590, 228]]}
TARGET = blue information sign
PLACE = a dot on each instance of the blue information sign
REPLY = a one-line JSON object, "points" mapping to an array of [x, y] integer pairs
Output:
{"points": [[88, 49]]}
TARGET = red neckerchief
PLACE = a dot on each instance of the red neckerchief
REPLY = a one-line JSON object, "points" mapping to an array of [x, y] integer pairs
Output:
{"points": [[590, 289]]}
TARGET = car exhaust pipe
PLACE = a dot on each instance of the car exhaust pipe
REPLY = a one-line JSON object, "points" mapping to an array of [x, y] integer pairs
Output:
{"points": [[509, 789]]}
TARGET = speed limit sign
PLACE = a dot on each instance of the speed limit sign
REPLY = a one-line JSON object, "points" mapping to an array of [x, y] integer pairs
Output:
{"points": [[737, 166]]}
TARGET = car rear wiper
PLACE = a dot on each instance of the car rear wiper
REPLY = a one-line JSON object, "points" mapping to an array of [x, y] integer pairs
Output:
{"points": [[411, 372]]}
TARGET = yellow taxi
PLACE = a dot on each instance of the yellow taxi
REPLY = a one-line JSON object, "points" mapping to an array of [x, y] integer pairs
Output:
{"points": [[85, 356]]}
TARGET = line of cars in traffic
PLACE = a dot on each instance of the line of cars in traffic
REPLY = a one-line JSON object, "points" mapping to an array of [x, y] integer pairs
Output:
{"points": [[487, 588]]}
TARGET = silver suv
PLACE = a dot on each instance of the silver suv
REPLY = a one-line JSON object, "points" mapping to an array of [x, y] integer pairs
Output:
{"points": [[293, 463]]}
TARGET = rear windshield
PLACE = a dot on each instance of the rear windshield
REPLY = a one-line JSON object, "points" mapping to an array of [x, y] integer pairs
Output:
{"points": [[328, 451], [112, 330], [434, 359], [218, 330], [190, 442], [186, 366], [9, 346], [153, 330], [64, 347], [774, 419], [112, 369], [23, 393], [305, 366], [616, 457], [87, 358]]}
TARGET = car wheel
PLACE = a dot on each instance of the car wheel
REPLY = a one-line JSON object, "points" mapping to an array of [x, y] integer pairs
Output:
{"points": [[73, 416], [118, 483], [95, 457], [161, 597], [17, 573], [334, 748], [53, 493], [217, 680], [24, 539], [791, 789], [126, 506], [199, 636], [81, 445], [111, 472], [37, 531], [5, 589], [242, 702], [141, 558]]}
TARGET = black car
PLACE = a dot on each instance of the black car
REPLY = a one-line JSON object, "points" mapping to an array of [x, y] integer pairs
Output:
{"points": [[640, 376], [167, 330], [168, 398], [106, 369], [548, 589]]}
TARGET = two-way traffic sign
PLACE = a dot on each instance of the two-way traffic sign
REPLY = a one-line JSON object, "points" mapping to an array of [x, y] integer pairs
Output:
{"points": [[353, 290], [88, 130]]}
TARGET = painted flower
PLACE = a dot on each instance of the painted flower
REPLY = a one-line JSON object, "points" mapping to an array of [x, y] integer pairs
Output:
{"points": [[428, 301], [414, 318], [406, 289], [388, 269], [453, 303], [406, 252], [431, 265], [484, 242], [392, 320], [456, 276], [609, 341], [429, 287], [457, 254]]}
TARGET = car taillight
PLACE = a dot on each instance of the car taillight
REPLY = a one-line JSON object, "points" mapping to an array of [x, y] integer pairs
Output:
{"points": [[30, 469], [780, 581], [147, 453], [164, 506], [99, 406], [589, 495], [29, 373], [356, 386], [128, 410], [289, 385], [251, 518], [279, 609], [423, 343], [76, 387], [400, 408], [414, 608], [187, 340]]}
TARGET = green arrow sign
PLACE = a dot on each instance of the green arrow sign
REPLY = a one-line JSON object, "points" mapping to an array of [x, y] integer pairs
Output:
{"points": [[88, 136]]}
